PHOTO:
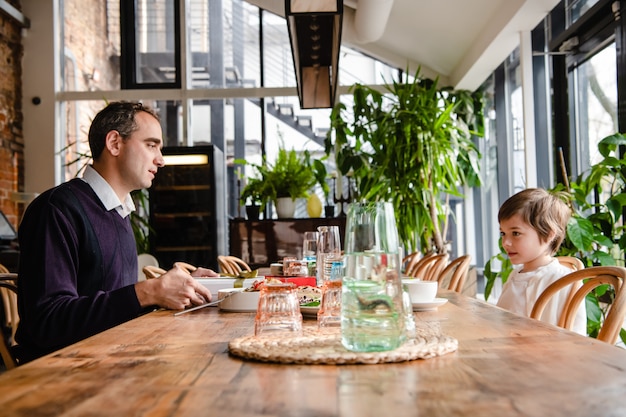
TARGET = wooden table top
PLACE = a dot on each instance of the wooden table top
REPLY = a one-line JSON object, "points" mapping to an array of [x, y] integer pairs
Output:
{"points": [[161, 365]]}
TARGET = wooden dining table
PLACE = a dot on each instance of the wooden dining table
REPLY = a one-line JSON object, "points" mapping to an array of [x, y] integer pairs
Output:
{"points": [[165, 365]]}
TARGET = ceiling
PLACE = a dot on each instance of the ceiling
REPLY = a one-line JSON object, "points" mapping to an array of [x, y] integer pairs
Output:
{"points": [[460, 41]]}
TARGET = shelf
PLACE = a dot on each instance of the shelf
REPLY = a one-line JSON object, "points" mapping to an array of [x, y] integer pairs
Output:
{"points": [[261, 242]]}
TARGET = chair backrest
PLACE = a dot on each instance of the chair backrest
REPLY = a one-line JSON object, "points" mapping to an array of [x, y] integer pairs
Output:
{"points": [[590, 279], [152, 272], [410, 261], [8, 283], [429, 268], [571, 262], [145, 259], [456, 272], [232, 265]]}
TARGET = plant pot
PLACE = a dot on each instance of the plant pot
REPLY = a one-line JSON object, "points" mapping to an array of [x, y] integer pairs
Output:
{"points": [[285, 207], [253, 212], [329, 210]]}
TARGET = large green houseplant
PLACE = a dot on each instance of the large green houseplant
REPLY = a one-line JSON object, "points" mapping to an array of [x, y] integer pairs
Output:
{"points": [[595, 232], [412, 146]]}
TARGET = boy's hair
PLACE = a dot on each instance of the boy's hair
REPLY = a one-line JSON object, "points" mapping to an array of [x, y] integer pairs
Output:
{"points": [[118, 116], [543, 211]]}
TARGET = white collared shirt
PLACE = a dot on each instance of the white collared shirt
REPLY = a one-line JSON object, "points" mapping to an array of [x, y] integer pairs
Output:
{"points": [[106, 194]]}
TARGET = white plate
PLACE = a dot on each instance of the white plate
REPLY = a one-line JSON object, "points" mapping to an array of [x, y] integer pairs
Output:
{"points": [[430, 305], [238, 300], [309, 311], [216, 284]]}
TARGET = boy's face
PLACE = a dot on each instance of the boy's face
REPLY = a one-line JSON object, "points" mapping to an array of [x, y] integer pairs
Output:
{"points": [[523, 244]]}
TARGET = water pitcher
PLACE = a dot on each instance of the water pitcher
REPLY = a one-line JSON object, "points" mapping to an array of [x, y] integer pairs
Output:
{"points": [[372, 311]]}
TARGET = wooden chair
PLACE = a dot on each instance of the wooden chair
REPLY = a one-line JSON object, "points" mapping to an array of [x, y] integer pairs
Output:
{"points": [[574, 264], [143, 260], [8, 283], [232, 265], [410, 261], [151, 271], [589, 278], [571, 262], [455, 273], [429, 267]]}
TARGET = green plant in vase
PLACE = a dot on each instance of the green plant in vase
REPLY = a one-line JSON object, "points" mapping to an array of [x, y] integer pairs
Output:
{"points": [[254, 198], [289, 177]]}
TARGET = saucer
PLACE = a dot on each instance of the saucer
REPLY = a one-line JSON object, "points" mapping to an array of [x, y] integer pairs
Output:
{"points": [[431, 305]]}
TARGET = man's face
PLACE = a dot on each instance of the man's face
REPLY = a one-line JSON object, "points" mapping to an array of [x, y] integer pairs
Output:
{"points": [[140, 156]]}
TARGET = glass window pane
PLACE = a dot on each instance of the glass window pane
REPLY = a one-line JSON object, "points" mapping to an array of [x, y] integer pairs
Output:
{"points": [[155, 42], [596, 98], [90, 61], [516, 122], [576, 8]]}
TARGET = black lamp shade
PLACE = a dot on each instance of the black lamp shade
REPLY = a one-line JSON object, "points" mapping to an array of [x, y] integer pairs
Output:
{"points": [[315, 36]]}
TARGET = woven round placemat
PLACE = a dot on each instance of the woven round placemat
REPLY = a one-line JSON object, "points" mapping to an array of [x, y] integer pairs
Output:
{"points": [[315, 348]]}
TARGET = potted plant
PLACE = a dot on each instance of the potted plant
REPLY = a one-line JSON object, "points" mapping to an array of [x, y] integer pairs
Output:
{"points": [[411, 146], [595, 232], [253, 197], [290, 177]]}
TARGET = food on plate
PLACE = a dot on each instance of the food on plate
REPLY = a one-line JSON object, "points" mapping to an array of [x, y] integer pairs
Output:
{"points": [[309, 296], [257, 284]]}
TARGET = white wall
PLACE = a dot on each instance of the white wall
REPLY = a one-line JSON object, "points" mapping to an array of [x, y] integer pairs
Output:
{"points": [[38, 80]]}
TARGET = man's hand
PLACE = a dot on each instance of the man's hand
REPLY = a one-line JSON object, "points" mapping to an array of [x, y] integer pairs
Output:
{"points": [[175, 290]]}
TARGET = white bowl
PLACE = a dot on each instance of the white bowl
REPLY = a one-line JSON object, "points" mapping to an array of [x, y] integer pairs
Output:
{"points": [[420, 291], [238, 300]]}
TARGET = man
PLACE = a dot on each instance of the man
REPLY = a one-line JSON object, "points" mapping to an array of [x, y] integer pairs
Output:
{"points": [[78, 259]]}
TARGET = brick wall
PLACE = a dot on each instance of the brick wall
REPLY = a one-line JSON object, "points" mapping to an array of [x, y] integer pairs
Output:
{"points": [[11, 136]]}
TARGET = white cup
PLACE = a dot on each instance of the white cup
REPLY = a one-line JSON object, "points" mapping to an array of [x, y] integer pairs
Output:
{"points": [[420, 291]]}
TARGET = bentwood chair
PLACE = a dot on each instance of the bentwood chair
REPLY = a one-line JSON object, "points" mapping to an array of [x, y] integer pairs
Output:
{"points": [[9, 300], [232, 265], [143, 260], [410, 261], [589, 278], [574, 264], [151, 271], [429, 268], [455, 273], [8, 283], [571, 262]]}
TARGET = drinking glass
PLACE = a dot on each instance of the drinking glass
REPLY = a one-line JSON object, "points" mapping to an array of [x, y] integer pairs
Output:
{"points": [[278, 310], [329, 314], [372, 309], [328, 251], [309, 246]]}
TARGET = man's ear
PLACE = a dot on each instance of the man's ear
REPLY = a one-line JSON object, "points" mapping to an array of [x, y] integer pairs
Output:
{"points": [[113, 142]]}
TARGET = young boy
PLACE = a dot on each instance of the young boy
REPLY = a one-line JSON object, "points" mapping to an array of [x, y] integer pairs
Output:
{"points": [[532, 227]]}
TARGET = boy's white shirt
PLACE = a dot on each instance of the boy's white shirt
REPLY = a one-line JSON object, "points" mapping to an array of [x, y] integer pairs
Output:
{"points": [[522, 289]]}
